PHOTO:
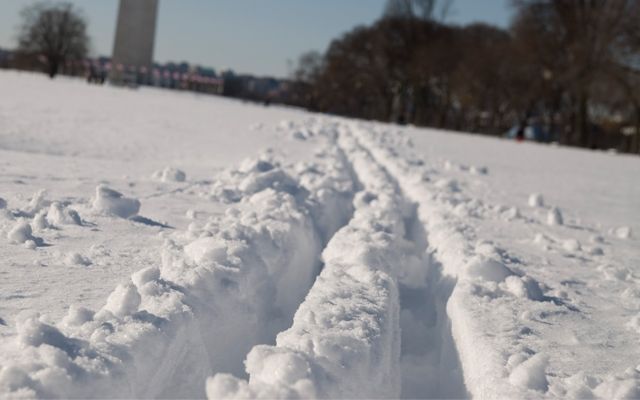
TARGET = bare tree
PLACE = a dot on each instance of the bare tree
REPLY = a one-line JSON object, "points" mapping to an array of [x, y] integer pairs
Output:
{"points": [[57, 32]]}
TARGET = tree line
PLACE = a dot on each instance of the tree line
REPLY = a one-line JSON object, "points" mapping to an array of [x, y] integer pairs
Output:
{"points": [[568, 67]]}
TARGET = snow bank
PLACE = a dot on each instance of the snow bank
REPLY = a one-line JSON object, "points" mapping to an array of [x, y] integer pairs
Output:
{"points": [[345, 337], [220, 290]]}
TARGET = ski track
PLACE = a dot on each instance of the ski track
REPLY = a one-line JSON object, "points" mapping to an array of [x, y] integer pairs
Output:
{"points": [[221, 289], [355, 275]]}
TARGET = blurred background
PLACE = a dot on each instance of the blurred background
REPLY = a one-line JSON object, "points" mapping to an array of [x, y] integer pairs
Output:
{"points": [[562, 71]]}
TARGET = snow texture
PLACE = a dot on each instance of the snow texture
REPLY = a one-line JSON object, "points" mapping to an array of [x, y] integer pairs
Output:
{"points": [[326, 258]]}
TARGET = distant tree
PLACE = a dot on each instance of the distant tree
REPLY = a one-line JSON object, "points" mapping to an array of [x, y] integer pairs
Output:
{"points": [[573, 46], [57, 32], [306, 79]]}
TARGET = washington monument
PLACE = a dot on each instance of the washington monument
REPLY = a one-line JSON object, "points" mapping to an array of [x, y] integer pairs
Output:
{"points": [[135, 36]]}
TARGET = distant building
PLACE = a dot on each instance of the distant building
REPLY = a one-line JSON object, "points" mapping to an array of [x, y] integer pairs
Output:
{"points": [[132, 59]]}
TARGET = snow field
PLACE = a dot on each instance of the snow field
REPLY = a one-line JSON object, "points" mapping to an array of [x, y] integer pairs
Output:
{"points": [[221, 289], [449, 265]]}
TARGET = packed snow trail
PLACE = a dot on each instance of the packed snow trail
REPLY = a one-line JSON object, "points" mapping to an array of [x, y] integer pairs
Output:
{"points": [[495, 303], [345, 338], [221, 289]]}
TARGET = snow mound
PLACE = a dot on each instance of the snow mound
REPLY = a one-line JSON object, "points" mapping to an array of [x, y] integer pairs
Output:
{"points": [[37, 203], [531, 374], [21, 233], [623, 232], [40, 221], [536, 200], [3, 203], [253, 175], [111, 202], [74, 258], [488, 269], [170, 174], [61, 215], [554, 217]]}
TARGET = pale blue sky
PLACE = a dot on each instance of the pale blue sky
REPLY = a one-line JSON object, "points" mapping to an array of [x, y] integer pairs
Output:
{"points": [[254, 36]]}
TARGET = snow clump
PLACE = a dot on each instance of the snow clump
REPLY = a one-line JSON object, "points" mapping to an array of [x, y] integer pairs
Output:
{"points": [[111, 202], [623, 232], [61, 215], [554, 217], [170, 174], [73, 259], [21, 233], [531, 373], [536, 200], [37, 203]]}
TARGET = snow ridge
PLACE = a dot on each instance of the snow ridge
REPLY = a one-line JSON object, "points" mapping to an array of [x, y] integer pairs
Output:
{"points": [[345, 338], [221, 289]]}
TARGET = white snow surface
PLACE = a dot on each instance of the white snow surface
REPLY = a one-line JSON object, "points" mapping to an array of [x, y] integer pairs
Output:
{"points": [[164, 244]]}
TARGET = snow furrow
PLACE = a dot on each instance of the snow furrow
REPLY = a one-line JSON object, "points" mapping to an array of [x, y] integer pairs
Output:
{"points": [[345, 337], [221, 289], [429, 361], [478, 275]]}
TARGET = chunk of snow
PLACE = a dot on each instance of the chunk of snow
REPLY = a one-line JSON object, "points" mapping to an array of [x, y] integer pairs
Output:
{"points": [[77, 315], [524, 287], [74, 258], [111, 202], [20, 233], [511, 214], [536, 200], [479, 170], [145, 275], [3, 203], [123, 301], [61, 215], [571, 245], [488, 269], [38, 202], [531, 374], [623, 232], [40, 221], [170, 174], [554, 217]]}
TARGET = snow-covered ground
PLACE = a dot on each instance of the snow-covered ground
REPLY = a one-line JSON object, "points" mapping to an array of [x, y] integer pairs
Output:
{"points": [[165, 244]]}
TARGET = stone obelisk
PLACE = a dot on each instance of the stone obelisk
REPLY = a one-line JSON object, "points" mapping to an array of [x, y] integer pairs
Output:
{"points": [[134, 41]]}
